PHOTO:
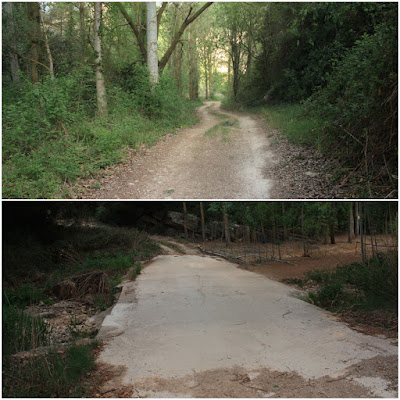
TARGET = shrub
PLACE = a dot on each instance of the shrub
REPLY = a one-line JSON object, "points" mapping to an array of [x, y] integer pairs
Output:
{"points": [[51, 375], [22, 331], [375, 284], [24, 295]]}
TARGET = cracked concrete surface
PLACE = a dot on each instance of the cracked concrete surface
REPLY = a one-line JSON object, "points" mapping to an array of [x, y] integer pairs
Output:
{"points": [[189, 314]]}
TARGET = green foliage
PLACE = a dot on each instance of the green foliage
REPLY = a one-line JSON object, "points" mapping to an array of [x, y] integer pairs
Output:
{"points": [[298, 126], [51, 375], [50, 137], [22, 331], [355, 99], [24, 295], [369, 286], [138, 268]]}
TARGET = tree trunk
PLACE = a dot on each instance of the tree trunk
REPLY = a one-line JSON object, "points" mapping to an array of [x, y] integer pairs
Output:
{"points": [[152, 47], [82, 27], [229, 91], [210, 65], [185, 221], [46, 43], [34, 17], [357, 216], [100, 84], [360, 222], [351, 223], [14, 65], [284, 225], [203, 225], [193, 81], [178, 66], [332, 223], [226, 224], [137, 32]]}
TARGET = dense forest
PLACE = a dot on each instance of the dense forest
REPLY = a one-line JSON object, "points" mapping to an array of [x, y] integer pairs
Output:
{"points": [[84, 82]]}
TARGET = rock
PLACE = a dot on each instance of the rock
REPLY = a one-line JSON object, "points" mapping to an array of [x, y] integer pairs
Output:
{"points": [[311, 174]]}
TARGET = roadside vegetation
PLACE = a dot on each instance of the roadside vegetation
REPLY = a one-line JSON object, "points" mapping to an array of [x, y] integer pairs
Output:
{"points": [[75, 262], [326, 75], [359, 286], [52, 136]]}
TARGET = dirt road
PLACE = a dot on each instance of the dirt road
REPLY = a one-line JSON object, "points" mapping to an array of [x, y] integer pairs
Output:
{"points": [[193, 326], [225, 156]]}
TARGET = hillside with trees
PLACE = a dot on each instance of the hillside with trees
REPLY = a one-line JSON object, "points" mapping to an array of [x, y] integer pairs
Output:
{"points": [[85, 85]]}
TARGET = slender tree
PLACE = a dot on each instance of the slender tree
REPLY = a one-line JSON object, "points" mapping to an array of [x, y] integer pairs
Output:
{"points": [[34, 18], [152, 46], [100, 81], [14, 65], [351, 222], [203, 225]]}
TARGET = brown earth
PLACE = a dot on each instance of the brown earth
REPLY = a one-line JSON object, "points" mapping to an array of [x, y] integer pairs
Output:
{"points": [[238, 382]]}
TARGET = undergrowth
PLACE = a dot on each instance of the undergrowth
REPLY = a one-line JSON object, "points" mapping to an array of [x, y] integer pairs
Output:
{"points": [[368, 286], [31, 269], [51, 374], [298, 127], [52, 137]]}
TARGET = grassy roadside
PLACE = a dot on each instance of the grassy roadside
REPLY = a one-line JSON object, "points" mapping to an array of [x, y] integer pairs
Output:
{"points": [[52, 135], [298, 127], [360, 292], [90, 262]]}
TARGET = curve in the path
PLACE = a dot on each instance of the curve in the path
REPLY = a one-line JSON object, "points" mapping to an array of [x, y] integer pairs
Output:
{"points": [[196, 164]]}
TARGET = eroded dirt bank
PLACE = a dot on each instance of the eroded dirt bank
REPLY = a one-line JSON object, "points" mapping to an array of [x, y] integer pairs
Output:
{"points": [[193, 326]]}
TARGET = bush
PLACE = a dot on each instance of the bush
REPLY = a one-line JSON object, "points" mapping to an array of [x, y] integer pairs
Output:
{"points": [[24, 295], [51, 138], [51, 375], [375, 284], [22, 331]]}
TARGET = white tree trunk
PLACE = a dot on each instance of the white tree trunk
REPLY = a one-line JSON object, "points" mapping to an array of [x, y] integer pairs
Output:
{"points": [[152, 47], [100, 85]]}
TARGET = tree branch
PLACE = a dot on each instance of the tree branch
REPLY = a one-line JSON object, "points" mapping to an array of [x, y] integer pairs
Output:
{"points": [[178, 35], [134, 28], [29, 59], [160, 14]]}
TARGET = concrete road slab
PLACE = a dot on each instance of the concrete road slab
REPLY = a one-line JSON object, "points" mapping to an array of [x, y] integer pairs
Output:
{"points": [[189, 313]]}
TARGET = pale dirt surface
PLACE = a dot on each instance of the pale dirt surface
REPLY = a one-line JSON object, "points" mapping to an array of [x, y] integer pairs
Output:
{"points": [[193, 164], [193, 326]]}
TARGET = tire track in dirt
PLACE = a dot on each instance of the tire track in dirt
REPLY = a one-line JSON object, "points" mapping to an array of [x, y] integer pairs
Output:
{"points": [[197, 164]]}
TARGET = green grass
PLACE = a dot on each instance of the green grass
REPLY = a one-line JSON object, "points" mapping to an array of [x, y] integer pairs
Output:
{"points": [[222, 130], [52, 137], [298, 127], [367, 286], [172, 246], [51, 375]]}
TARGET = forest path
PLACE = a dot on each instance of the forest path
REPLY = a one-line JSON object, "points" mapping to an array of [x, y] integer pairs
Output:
{"points": [[194, 326], [225, 156]]}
